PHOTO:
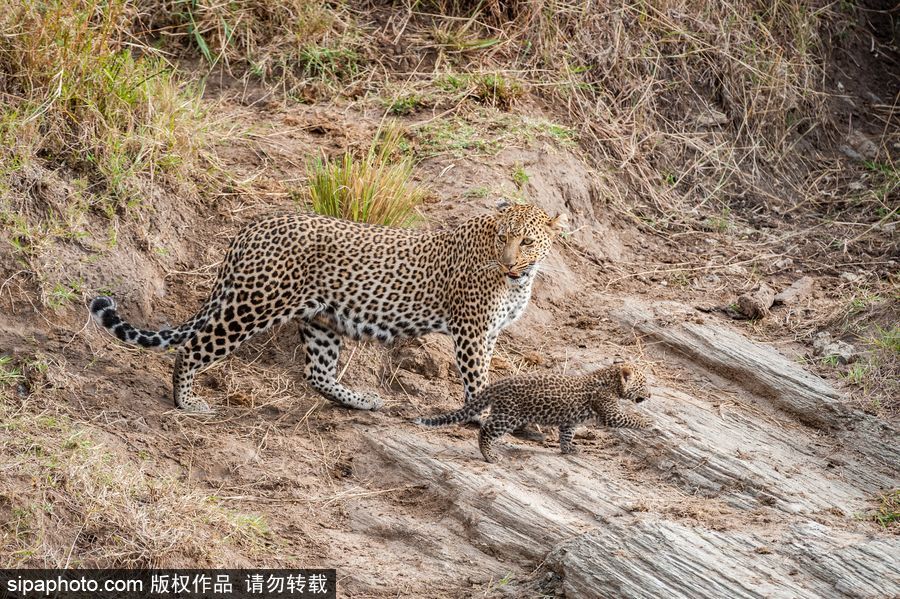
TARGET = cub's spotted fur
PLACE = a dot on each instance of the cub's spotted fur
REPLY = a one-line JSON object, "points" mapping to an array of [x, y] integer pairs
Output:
{"points": [[362, 281], [564, 401]]}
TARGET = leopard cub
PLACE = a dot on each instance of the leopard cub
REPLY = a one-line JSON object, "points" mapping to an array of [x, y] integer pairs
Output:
{"points": [[553, 399]]}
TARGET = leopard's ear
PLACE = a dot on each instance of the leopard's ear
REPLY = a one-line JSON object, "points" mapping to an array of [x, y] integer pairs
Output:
{"points": [[503, 204], [558, 223], [626, 372]]}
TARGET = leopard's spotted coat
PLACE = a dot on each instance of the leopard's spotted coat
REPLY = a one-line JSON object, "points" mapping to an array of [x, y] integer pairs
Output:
{"points": [[362, 281], [553, 399]]}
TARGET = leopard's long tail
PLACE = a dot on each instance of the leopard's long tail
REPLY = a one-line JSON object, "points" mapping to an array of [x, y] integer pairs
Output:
{"points": [[465, 414], [103, 309]]}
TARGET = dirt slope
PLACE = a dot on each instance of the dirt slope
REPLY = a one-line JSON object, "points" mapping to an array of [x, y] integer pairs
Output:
{"points": [[772, 471], [279, 477]]}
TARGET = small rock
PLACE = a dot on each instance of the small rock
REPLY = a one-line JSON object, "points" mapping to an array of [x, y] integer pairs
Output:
{"points": [[850, 277], [420, 358], [756, 304], [712, 118], [864, 146], [850, 153], [797, 291], [826, 347], [784, 263]]}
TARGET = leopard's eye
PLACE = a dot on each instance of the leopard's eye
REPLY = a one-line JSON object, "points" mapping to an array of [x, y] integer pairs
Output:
{"points": [[527, 241]]}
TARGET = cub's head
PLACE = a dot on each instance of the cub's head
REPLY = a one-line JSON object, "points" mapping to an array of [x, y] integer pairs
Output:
{"points": [[631, 383], [524, 236]]}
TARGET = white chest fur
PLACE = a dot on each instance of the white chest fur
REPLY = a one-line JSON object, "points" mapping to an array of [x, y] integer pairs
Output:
{"points": [[513, 304]]}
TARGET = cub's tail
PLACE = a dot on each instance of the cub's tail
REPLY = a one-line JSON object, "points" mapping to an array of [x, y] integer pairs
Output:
{"points": [[465, 414], [103, 309]]}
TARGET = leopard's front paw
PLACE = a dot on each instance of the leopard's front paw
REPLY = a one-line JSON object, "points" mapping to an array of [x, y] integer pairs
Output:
{"points": [[642, 422], [371, 401], [491, 457], [195, 405]]}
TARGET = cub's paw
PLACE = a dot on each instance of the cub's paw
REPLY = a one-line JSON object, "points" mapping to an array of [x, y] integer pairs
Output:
{"points": [[644, 423], [492, 457], [571, 450]]}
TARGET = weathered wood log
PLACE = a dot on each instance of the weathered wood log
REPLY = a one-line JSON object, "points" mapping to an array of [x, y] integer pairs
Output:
{"points": [[764, 372], [608, 533], [666, 559], [730, 494], [759, 368]]}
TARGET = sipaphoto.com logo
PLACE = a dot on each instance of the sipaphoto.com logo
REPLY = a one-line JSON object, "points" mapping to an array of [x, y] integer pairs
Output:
{"points": [[31, 586], [256, 583]]}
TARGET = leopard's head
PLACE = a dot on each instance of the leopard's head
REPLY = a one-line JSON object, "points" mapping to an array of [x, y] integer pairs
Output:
{"points": [[525, 235], [631, 383]]}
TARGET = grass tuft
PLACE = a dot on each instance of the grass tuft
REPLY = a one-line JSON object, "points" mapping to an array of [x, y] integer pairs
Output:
{"points": [[8, 374], [888, 513], [496, 90], [375, 189], [78, 92], [76, 503]]}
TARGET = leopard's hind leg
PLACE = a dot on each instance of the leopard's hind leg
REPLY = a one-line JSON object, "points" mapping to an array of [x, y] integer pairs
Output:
{"points": [[323, 346], [226, 329]]}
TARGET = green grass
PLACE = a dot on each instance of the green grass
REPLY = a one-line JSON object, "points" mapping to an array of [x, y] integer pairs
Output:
{"points": [[885, 188], [478, 192], [888, 513], [63, 294], [8, 374], [830, 361], [329, 64], [486, 131], [404, 105], [75, 90], [857, 373], [887, 339], [520, 176], [455, 136], [374, 189], [497, 90]]}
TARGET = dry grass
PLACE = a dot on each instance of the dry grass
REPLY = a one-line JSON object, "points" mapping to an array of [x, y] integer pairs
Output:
{"points": [[79, 93], [888, 513], [375, 189], [292, 45], [710, 92], [67, 500]]}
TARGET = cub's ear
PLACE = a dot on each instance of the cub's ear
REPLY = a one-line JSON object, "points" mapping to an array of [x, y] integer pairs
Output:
{"points": [[626, 372], [503, 204], [558, 223]]}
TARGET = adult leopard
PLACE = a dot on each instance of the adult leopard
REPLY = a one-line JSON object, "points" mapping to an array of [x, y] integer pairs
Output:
{"points": [[361, 281]]}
